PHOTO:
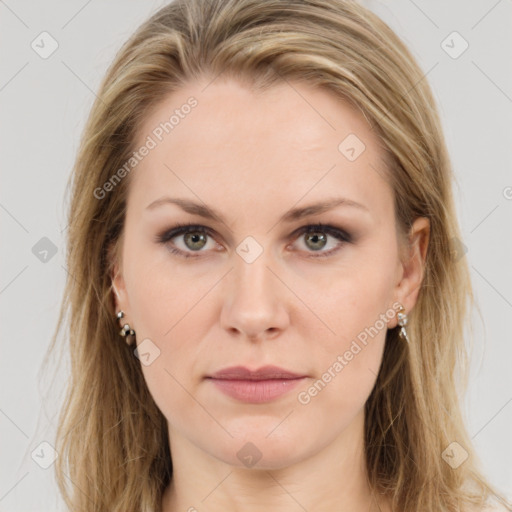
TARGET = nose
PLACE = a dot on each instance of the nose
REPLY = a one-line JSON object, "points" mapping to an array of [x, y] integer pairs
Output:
{"points": [[254, 307]]}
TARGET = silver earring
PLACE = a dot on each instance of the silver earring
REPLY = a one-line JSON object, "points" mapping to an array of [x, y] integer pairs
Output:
{"points": [[127, 332], [402, 322]]}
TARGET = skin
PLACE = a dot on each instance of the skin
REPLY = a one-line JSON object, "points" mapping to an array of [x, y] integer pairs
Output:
{"points": [[253, 156]]}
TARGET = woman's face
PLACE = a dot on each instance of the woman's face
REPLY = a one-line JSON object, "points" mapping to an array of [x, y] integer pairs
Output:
{"points": [[249, 286]]}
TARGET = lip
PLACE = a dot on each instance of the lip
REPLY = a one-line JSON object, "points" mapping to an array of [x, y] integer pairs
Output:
{"points": [[255, 386], [268, 372]]}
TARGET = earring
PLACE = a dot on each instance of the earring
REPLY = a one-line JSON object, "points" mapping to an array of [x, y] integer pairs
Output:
{"points": [[402, 322], [127, 332]]}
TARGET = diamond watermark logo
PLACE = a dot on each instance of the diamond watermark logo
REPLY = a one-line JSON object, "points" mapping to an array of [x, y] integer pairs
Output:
{"points": [[44, 45], [44, 250], [454, 45], [44, 455], [249, 249], [454, 455], [146, 352], [351, 147], [249, 455]]}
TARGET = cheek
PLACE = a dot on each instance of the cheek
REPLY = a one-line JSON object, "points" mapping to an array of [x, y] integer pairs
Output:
{"points": [[356, 305], [158, 294], [171, 307], [163, 309], [356, 295]]}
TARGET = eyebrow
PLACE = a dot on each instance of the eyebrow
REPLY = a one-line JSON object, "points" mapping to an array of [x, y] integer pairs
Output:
{"points": [[294, 214]]}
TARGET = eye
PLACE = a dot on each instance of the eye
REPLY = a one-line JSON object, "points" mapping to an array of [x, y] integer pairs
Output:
{"points": [[316, 238], [195, 238]]}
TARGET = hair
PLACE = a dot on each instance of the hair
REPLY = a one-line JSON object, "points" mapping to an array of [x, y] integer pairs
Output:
{"points": [[112, 439]]}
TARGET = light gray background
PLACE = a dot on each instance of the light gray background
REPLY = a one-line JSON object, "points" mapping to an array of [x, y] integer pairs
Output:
{"points": [[44, 104]]}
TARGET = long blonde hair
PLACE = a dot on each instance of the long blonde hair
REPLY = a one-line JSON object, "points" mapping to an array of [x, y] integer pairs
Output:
{"points": [[112, 438]]}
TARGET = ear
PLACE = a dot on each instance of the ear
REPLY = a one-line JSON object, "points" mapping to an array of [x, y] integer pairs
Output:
{"points": [[413, 264], [117, 279]]}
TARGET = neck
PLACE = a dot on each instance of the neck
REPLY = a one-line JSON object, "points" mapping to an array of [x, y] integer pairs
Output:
{"points": [[333, 479]]}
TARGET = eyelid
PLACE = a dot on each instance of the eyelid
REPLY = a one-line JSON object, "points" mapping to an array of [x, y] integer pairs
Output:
{"points": [[339, 234], [179, 229]]}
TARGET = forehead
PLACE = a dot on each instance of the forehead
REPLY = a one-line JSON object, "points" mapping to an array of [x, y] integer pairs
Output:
{"points": [[223, 142]]}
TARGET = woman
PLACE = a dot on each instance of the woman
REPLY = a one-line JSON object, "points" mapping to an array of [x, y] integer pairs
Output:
{"points": [[262, 209]]}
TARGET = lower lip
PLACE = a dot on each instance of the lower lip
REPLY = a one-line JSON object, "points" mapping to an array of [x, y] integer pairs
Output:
{"points": [[256, 391]]}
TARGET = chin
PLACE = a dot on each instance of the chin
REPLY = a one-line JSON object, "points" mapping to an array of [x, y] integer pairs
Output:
{"points": [[255, 448]]}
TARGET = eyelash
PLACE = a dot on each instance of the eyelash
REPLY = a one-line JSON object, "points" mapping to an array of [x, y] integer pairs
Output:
{"points": [[180, 229]]}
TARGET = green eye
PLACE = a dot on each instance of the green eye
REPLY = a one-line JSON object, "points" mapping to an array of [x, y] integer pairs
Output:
{"points": [[195, 238], [316, 238]]}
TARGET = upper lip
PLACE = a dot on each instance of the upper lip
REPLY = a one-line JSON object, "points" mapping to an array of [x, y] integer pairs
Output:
{"points": [[263, 373]]}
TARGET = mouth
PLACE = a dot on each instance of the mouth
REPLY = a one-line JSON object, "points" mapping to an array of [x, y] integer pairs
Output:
{"points": [[258, 386]]}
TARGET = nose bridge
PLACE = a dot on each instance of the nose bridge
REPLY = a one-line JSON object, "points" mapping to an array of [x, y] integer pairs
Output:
{"points": [[253, 276], [254, 300]]}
